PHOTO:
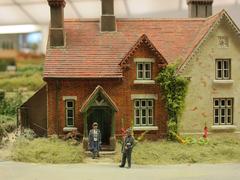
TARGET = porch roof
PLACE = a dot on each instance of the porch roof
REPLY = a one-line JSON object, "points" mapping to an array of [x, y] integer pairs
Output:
{"points": [[90, 100]]}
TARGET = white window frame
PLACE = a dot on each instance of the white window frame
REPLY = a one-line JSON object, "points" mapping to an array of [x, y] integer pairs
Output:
{"points": [[69, 109], [146, 108], [223, 69], [223, 109], [144, 71]]}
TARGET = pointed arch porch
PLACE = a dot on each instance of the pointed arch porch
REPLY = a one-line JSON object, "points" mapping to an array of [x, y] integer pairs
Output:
{"points": [[99, 107]]}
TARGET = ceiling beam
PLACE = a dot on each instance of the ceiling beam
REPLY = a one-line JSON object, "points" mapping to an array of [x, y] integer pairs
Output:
{"points": [[74, 8], [25, 12], [127, 8]]}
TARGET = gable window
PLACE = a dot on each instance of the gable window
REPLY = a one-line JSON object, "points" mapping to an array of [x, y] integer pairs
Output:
{"points": [[223, 111], [143, 112], [223, 42], [143, 70], [69, 109], [223, 69]]}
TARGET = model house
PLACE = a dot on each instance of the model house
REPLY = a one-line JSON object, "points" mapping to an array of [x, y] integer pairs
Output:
{"points": [[103, 70]]}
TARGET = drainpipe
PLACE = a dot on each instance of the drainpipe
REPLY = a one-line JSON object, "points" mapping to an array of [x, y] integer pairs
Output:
{"points": [[57, 105]]}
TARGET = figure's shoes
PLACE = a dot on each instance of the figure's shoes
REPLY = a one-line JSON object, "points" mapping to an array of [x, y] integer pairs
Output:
{"points": [[129, 167], [121, 166]]}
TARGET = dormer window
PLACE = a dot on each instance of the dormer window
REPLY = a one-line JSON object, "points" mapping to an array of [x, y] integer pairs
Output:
{"points": [[143, 70]]}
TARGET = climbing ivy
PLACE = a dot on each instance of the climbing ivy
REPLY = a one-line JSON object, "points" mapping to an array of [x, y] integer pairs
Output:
{"points": [[174, 89]]}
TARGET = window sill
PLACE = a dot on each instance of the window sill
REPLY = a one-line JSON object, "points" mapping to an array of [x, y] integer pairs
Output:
{"points": [[223, 82], [145, 128], [144, 82], [224, 127], [69, 129]]}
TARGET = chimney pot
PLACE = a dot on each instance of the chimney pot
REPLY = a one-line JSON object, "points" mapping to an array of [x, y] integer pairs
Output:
{"points": [[108, 20], [56, 33], [199, 8]]}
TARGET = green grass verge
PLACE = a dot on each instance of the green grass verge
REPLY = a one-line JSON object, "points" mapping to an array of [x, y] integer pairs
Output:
{"points": [[218, 150], [46, 150]]}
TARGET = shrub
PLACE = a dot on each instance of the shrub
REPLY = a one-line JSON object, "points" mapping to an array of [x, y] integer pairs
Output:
{"points": [[8, 123], [8, 106], [2, 94], [6, 62]]}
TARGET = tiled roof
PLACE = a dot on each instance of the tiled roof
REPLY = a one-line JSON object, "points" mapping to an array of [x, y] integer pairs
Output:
{"points": [[90, 53]]}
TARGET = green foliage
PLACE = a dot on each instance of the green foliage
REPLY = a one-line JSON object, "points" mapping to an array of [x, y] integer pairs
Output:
{"points": [[2, 94], [6, 62], [28, 77], [8, 106], [174, 89], [29, 70], [192, 140]]}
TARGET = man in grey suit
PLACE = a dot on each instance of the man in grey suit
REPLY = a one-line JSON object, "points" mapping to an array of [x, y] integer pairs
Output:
{"points": [[94, 140], [127, 149]]}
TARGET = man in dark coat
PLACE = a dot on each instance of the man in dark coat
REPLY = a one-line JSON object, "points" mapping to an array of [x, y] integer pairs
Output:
{"points": [[94, 140], [127, 147]]}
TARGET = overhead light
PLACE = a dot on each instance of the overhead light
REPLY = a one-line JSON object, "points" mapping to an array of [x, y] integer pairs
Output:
{"points": [[18, 29]]}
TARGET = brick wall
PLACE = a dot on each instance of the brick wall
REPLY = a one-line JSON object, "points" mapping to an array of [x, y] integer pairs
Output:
{"points": [[119, 90]]}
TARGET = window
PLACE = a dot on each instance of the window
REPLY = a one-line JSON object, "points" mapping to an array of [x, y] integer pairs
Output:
{"points": [[223, 42], [143, 112], [223, 69], [223, 111], [143, 70], [69, 106]]}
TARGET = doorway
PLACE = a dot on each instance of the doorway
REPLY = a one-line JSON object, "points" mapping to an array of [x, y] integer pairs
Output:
{"points": [[101, 115]]}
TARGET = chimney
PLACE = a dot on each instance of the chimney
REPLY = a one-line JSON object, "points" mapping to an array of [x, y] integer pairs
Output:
{"points": [[108, 21], [57, 22], [199, 8]]}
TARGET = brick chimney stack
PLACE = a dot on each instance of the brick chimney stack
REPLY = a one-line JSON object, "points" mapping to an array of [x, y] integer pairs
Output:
{"points": [[57, 35], [108, 20], [199, 8]]}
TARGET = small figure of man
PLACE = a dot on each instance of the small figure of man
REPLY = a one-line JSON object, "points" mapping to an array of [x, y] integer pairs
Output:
{"points": [[94, 140], [127, 147]]}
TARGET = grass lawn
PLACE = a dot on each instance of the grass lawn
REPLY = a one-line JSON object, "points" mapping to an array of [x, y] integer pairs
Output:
{"points": [[222, 149], [46, 150]]}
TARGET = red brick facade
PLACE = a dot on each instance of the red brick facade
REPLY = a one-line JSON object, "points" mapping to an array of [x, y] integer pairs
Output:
{"points": [[119, 90]]}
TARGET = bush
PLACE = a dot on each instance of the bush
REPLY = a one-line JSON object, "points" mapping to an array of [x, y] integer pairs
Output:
{"points": [[2, 94], [8, 106], [6, 62], [46, 150], [8, 123]]}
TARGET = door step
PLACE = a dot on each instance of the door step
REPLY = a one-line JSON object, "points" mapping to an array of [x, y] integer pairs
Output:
{"points": [[103, 153]]}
